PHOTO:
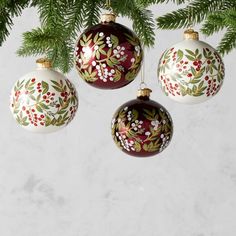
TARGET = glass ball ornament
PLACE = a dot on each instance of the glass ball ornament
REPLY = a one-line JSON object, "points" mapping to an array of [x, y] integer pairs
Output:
{"points": [[142, 127], [43, 100], [108, 55], [191, 71]]}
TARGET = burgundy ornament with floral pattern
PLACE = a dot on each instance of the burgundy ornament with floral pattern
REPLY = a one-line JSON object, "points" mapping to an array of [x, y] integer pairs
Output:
{"points": [[142, 127], [191, 71], [108, 55], [44, 100]]}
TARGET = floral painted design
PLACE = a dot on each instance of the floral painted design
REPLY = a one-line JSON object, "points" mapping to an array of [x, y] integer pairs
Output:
{"points": [[142, 128], [107, 57], [191, 72], [40, 103]]}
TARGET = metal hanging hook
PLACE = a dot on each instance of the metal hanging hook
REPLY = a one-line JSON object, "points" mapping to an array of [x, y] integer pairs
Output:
{"points": [[142, 84]]}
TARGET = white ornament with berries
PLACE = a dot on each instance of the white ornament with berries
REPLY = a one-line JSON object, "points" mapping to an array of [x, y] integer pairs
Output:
{"points": [[191, 71], [43, 100]]}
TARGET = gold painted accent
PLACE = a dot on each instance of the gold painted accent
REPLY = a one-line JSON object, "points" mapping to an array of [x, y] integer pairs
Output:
{"points": [[145, 92], [44, 63], [108, 17], [191, 34]]}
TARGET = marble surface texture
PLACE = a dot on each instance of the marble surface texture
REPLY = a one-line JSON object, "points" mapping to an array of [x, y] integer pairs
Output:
{"points": [[77, 183]]}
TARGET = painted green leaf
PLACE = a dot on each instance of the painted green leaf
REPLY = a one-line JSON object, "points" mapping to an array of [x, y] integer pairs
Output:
{"points": [[45, 87]]}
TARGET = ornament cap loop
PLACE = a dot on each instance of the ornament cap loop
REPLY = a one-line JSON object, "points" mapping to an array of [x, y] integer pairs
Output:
{"points": [[144, 92], [108, 17], [191, 34], [44, 63]]}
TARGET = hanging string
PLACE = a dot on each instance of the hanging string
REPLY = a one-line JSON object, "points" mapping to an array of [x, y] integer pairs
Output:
{"points": [[142, 83]]}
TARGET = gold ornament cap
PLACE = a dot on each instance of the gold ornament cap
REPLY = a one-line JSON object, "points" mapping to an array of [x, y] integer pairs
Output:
{"points": [[191, 34], [108, 17], [144, 92], [44, 63]]}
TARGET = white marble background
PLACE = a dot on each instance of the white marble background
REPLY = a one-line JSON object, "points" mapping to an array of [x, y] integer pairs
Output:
{"points": [[77, 183]]}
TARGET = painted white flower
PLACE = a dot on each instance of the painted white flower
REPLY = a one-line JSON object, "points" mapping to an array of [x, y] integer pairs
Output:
{"points": [[97, 67], [99, 74], [104, 80], [104, 65], [87, 52], [135, 128], [132, 148], [117, 134], [113, 71], [80, 60], [147, 133], [108, 38], [118, 47], [111, 79], [164, 122], [155, 123], [129, 112], [119, 120], [129, 119], [162, 136], [94, 63], [126, 108], [101, 34], [118, 55], [123, 136], [115, 51], [132, 60], [136, 121], [110, 45], [96, 47], [139, 126], [140, 122], [122, 53], [123, 48]]}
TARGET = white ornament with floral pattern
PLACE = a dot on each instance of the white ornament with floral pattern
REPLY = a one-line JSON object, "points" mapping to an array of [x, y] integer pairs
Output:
{"points": [[191, 71], [43, 100]]}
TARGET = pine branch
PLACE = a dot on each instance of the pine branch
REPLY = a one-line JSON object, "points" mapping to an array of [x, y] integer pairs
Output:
{"points": [[37, 42], [48, 43], [194, 13], [92, 13], [228, 42], [143, 22], [8, 10], [146, 3]]}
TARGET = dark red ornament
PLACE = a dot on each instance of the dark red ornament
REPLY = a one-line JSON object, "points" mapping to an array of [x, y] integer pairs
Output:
{"points": [[142, 127], [108, 55]]}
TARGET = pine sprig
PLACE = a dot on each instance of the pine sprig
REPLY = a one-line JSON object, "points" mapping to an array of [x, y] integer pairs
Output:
{"points": [[194, 13], [228, 42], [8, 10], [92, 13]]}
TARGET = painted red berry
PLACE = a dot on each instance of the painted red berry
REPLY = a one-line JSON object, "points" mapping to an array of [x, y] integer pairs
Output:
{"points": [[189, 75], [33, 80]]}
